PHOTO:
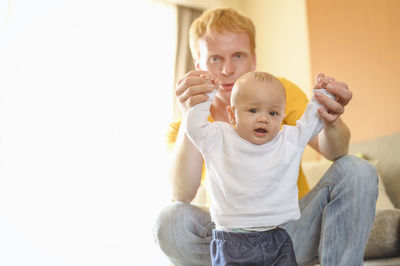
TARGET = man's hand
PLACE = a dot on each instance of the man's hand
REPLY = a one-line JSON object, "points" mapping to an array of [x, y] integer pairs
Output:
{"points": [[333, 141], [334, 108], [193, 88]]}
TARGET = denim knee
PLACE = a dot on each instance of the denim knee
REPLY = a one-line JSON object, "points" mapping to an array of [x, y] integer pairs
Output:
{"points": [[359, 176], [166, 223], [183, 233]]}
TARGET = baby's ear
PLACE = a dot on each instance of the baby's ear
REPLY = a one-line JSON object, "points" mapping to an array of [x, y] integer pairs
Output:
{"points": [[231, 115]]}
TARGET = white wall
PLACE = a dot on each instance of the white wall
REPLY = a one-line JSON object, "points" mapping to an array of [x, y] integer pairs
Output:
{"points": [[83, 116]]}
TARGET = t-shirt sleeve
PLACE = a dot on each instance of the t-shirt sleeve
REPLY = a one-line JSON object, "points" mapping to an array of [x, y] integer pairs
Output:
{"points": [[309, 125], [296, 102], [196, 124], [302, 113]]}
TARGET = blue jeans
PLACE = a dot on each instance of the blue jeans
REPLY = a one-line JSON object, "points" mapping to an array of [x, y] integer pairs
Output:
{"points": [[272, 247], [336, 219]]}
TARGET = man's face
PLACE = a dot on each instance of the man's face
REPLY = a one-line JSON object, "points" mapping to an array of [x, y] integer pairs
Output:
{"points": [[258, 110], [227, 55]]}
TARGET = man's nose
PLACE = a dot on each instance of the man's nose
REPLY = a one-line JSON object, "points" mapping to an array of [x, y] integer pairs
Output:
{"points": [[228, 68]]}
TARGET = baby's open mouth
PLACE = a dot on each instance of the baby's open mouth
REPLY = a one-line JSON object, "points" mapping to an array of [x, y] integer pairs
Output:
{"points": [[260, 131]]}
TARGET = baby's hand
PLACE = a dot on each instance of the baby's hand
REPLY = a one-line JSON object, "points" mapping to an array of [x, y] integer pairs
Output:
{"points": [[214, 82], [211, 79]]}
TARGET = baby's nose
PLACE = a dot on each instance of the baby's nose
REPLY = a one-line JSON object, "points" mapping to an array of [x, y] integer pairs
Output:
{"points": [[263, 118]]}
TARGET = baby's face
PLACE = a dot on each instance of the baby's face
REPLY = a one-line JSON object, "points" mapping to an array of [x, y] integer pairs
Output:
{"points": [[258, 110]]}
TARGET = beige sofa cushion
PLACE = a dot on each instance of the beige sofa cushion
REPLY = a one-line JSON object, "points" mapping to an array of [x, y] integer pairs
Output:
{"points": [[386, 150], [384, 240]]}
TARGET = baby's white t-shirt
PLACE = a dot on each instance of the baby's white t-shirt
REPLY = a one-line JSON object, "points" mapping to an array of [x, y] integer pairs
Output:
{"points": [[251, 185]]}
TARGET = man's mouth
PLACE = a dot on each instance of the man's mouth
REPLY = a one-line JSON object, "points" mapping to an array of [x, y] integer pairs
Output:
{"points": [[261, 132], [226, 87]]}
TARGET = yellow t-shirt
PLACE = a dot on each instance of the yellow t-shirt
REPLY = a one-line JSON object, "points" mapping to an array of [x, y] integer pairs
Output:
{"points": [[296, 103]]}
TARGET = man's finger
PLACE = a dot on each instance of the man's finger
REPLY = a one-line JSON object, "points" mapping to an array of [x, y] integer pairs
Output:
{"points": [[318, 77], [193, 73], [193, 100], [189, 82], [197, 73], [340, 90], [330, 104], [327, 117], [195, 90]]}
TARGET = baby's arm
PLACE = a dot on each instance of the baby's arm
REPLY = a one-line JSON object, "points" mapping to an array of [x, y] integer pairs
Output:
{"points": [[310, 124], [196, 123]]}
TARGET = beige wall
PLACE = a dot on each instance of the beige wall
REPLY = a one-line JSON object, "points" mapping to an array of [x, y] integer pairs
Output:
{"points": [[281, 38], [355, 41], [359, 41]]}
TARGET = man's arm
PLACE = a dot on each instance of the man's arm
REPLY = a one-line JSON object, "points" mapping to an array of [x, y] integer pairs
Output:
{"points": [[186, 168], [187, 161], [333, 141]]}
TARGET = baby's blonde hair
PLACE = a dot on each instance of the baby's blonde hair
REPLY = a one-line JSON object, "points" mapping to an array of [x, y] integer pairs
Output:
{"points": [[260, 76], [220, 19]]}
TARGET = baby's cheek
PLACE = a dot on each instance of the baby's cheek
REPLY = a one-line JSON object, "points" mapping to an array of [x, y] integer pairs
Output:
{"points": [[277, 126]]}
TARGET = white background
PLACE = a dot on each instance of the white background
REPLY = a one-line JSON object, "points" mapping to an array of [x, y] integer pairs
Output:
{"points": [[85, 101]]}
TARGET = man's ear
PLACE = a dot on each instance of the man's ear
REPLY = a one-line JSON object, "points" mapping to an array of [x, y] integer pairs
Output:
{"points": [[231, 115], [254, 60]]}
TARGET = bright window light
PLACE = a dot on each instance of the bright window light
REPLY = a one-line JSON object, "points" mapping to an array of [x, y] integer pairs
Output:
{"points": [[85, 102]]}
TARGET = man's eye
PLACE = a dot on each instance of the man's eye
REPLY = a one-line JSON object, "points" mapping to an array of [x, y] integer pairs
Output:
{"points": [[253, 110], [239, 55], [214, 59]]}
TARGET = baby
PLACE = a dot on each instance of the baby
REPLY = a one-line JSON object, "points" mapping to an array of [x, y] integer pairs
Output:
{"points": [[253, 165]]}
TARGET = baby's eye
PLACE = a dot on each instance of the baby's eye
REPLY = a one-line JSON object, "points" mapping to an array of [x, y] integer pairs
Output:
{"points": [[273, 113], [253, 110]]}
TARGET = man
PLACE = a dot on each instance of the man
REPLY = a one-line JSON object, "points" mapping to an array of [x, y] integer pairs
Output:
{"points": [[336, 216]]}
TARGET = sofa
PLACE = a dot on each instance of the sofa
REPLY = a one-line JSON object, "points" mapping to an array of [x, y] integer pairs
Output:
{"points": [[383, 247]]}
